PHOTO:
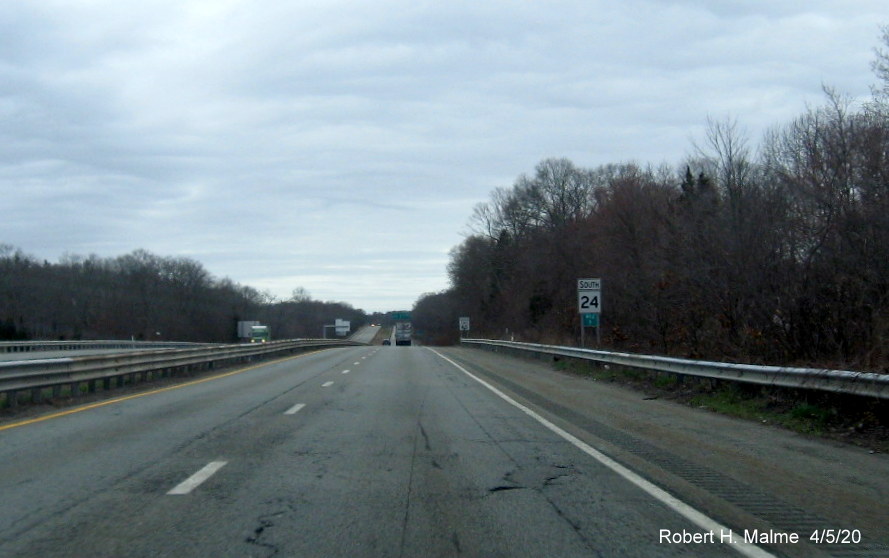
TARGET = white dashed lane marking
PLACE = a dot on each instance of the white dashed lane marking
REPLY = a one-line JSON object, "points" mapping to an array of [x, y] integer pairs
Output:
{"points": [[295, 409], [198, 478]]}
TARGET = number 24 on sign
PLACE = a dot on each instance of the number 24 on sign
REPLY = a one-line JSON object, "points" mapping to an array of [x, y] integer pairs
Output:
{"points": [[588, 301]]}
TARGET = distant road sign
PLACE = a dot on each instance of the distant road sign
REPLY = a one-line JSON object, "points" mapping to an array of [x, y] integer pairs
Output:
{"points": [[464, 324], [589, 296], [401, 316], [590, 320]]}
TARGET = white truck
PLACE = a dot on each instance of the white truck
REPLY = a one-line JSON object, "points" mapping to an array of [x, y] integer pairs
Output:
{"points": [[245, 330], [403, 331]]}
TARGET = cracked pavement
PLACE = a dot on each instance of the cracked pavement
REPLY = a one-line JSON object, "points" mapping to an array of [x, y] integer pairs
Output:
{"points": [[406, 457]]}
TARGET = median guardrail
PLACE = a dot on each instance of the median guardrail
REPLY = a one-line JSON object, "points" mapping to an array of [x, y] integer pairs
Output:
{"points": [[71, 374], [837, 381], [40, 346]]}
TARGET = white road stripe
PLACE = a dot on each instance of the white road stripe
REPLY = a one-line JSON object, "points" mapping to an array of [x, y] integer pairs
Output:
{"points": [[295, 409], [675, 504], [196, 479], [355, 363], [346, 371], [327, 384]]}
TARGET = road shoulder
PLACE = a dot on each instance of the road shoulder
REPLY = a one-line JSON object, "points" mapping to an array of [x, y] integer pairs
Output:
{"points": [[824, 481]]}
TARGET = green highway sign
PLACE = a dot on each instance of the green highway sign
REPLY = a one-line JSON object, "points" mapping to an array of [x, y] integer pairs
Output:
{"points": [[590, 320]]}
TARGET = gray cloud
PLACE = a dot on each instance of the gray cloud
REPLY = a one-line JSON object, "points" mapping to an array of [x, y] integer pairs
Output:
{"points": [[341, 146]]}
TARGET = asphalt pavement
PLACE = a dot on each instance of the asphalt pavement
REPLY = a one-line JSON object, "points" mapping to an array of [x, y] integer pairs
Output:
{"points": [[365, 334], [358, 451]]}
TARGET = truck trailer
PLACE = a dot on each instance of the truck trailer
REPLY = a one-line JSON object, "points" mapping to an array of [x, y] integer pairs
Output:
{"points": [[403, 331], [245, 332]]}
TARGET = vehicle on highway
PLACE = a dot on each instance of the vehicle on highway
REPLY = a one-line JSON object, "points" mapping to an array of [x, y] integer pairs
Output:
{"points": [[403, 332], [386, 342], [260, 334]]}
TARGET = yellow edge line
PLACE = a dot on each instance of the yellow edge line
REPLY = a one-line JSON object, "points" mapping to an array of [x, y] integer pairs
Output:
{"points": [[144, 393]]}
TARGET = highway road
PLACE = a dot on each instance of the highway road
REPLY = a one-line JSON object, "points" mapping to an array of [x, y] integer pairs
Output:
{"points": [[410, 451], [365, 334]]}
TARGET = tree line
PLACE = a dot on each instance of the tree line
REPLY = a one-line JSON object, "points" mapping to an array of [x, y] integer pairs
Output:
{"points": [[779, 254], [144, 296]]}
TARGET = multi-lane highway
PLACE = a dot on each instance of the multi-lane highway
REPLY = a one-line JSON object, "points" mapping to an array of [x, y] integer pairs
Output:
{"points": [[365, 334], [410, 451]]}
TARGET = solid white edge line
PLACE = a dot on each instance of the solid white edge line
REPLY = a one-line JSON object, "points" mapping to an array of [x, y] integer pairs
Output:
{"points": [[196, 479], [295, 409], [327, 384], [675, 504]]}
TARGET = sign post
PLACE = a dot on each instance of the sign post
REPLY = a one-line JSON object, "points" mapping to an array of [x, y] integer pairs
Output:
{"points": [[589, 306]]}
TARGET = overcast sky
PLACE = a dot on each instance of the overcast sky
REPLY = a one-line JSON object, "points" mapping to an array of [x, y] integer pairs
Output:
{"points": [[341, 146]]}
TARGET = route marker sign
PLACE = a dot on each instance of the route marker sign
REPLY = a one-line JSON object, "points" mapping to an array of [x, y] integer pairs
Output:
{"points": [[589, 296], [589, 306], [464, 324]]}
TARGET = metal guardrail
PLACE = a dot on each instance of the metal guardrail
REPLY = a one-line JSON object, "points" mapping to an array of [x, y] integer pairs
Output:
{"points": [[837, 381], [37, 375], [39, 346]]}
